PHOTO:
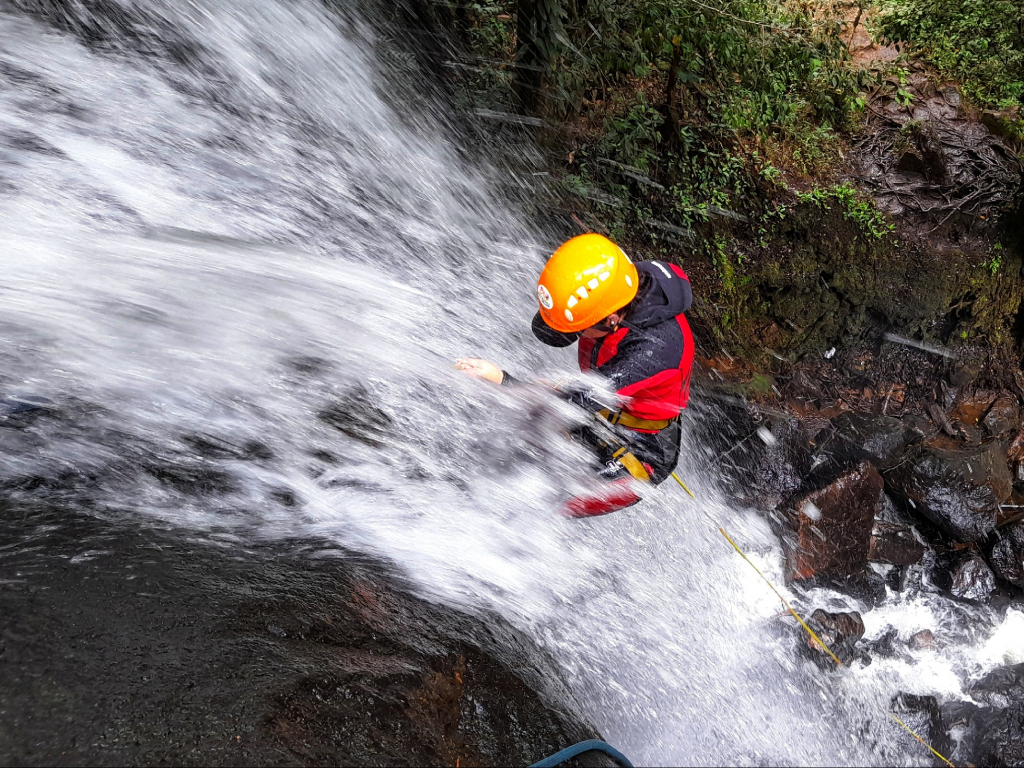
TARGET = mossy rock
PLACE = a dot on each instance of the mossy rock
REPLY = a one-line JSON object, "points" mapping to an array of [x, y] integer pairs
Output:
{"points": [[823, 282]]}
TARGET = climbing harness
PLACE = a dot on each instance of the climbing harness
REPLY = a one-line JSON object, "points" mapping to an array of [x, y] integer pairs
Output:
{"points": [[632, 464], [633, 422], [591, 745], [622, 454], [810, 631]]}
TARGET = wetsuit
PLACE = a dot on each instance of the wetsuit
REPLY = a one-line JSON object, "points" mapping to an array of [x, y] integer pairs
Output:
{"points": [[648, 360]]}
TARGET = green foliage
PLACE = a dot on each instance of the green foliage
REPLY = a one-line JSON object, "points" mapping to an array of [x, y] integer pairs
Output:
{"points": [[857, 209], [683, 90], [633, 137], [677, 107], [980, 43], [724, 266], [490, 29], [996, 262], [490, 33], [766, 67]]}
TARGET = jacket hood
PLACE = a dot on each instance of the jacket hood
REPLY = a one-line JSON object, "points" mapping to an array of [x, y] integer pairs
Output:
{"points": [[666, 295]]}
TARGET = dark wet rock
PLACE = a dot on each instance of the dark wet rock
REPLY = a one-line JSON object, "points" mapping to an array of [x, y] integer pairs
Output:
{"points": [[190, 475], [832, 525], [923, 715], [972, 407], [1003, 416], [898, 578], [971, 433], [964, 574], [886, 646], [838, 631], [161, 651], [1002, 737], [959, 491], [759, 462], [1007, 556], [357, 416], [111, 25], [1001, 687], [18, 411], [964, 372], [923, 640], [986, 735], [212, 447], [865, 585], [889, 512], [879, 439], [894, 544], [445, 713]]}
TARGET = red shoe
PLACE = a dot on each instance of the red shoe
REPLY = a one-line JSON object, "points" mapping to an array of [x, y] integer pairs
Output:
{"points": [[618, 495]]}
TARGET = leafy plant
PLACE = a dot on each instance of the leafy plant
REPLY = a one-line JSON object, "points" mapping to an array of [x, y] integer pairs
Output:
{"points": [[996, 262], [861, 211], [980, 44]]}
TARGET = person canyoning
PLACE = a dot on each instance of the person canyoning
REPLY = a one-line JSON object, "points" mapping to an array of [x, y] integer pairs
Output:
{"points": [[629, 324]]}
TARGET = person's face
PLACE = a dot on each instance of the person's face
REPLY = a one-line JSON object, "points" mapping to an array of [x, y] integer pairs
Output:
{"points": [[603, 328]]}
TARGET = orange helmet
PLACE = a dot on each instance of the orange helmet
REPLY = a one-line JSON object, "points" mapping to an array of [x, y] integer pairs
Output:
{"points": [[584, 281]]}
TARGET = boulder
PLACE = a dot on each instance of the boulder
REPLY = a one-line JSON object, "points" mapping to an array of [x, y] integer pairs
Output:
{"points": [[1007, 556], [833, 525], [898, 578], [986, 735], [1003, 416], [894, 544], [880, 439], [839, 631], [965, 575], [957, 490], [887, 646], [923, 640], [1001, 739], [1001, 687], [759, 463], [865, 585], [922, 714]]}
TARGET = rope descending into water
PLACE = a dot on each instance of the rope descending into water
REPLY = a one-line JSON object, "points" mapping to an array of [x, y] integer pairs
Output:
{"points": [[808, 629], [789, 608]]}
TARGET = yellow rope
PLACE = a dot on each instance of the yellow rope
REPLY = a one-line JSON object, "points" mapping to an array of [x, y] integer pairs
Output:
{"points": [[912, 733], [811, 631], [684, 485], [779, 595]]}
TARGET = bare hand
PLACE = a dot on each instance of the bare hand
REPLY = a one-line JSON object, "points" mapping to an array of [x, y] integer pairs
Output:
{"points": [[481, 369]]}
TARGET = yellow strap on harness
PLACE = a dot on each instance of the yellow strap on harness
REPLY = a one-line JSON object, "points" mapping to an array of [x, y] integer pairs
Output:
{"points": [[633, 422], [633, 465]]}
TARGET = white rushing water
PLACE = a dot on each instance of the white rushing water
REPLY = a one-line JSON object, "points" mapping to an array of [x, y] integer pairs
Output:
{"points": [[220, 249]]}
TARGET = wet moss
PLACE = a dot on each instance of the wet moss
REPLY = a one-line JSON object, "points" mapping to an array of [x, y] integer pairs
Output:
{"points": [[819, 281]]}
